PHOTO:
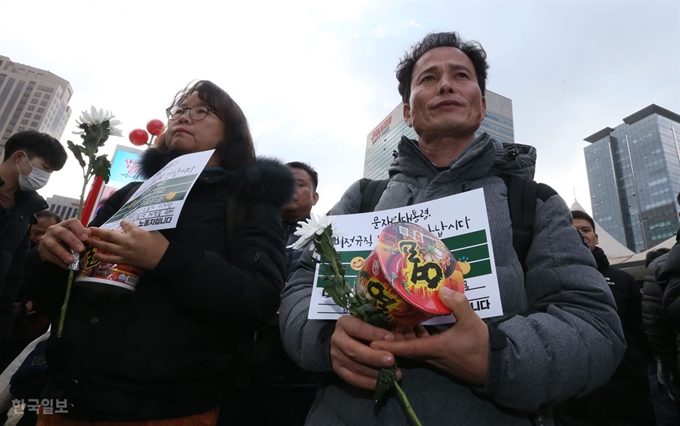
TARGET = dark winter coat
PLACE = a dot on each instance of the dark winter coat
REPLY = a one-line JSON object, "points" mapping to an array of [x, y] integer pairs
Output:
{"points": [[669, 279], [163, 351], [14, 243], [625, 399], [663, 339], [292, 255]]}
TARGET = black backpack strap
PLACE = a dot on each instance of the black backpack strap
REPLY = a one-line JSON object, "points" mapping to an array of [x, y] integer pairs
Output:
{"points": [[236, 211], [371, 191], [522, 195]]}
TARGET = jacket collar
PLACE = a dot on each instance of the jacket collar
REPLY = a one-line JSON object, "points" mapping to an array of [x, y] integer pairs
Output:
{"points": [[482, 157], [600, 258]]}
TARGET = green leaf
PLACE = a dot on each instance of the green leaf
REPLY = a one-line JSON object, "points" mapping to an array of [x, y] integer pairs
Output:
{"points": [[76, 153], [386, 380], [92, 139], [102, 167]]}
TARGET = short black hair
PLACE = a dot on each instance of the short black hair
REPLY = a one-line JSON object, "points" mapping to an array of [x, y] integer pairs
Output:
{"points": [[578, 214], [37, 144], [308, 168], [651, 255], [48, 215], [678, 198], [472, 50]]}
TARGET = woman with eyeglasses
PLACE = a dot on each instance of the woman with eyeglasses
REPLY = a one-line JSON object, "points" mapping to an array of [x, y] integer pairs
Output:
{"points": [[158, 356]]}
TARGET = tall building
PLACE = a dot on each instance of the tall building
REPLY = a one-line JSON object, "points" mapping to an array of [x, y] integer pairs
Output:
{"points": [[31, 99], [382, 141], [65, 207], [634, 177]]}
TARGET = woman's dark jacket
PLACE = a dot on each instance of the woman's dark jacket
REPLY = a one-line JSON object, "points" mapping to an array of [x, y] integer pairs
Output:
{"points": [[163, 350]]}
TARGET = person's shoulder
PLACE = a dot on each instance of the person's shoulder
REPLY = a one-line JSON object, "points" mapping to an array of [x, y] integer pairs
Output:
{"points": [[350, 201], [266, 181], [30, 200]]}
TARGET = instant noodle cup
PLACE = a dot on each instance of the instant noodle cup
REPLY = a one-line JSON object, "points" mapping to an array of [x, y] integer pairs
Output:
{"points": [[404, 273], [112, 277]]}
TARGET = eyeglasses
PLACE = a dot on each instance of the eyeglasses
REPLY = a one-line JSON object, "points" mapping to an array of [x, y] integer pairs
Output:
{"points": [[197, 113]]}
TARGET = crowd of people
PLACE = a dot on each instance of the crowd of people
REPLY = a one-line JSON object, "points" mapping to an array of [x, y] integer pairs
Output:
{"points": [[217, 331]]}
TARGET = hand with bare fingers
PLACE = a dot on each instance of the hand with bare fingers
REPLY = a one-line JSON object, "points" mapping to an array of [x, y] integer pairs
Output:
{"points": [[134, 246], [352, 359], [58, 241], [462, 351]]}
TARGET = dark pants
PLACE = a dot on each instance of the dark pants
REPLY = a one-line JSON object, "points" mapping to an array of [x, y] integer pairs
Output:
{"points": [[666, 411], [285, 406]]}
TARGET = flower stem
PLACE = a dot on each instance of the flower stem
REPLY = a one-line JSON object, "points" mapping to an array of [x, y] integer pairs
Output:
{"points": [[64, 306], [69, 283], [407, 404]]}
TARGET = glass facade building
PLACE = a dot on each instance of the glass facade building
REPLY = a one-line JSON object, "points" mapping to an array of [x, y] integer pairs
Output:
{"points": [[381, 142], [634, 177]]}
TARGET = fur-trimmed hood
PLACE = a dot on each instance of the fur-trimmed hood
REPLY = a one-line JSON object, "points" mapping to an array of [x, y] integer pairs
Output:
{"points": [[266, 180]]}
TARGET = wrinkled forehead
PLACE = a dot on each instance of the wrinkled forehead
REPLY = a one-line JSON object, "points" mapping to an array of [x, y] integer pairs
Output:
{"points": [[442, 56]]}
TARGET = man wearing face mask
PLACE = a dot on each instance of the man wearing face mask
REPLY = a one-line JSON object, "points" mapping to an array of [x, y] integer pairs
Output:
{"points": [[30, 158]]}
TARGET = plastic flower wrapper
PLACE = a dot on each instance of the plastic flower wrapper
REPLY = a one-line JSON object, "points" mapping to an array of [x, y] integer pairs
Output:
{"points": [[319, 230], [94, 127]]}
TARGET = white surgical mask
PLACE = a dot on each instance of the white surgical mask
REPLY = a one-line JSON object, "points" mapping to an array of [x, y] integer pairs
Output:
{"points": [[35, 180]]}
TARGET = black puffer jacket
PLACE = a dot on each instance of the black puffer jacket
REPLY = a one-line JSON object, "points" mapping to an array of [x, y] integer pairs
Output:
{"points": [[625, 399], [669, 280], [163, 351], [663, 339]]}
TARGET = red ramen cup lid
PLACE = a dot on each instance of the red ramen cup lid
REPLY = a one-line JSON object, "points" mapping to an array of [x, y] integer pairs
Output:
{"points": [[417, 264]]}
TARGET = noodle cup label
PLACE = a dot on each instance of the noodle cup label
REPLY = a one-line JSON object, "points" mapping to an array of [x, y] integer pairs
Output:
{"points": [[417, 264], [373, 284], [106, 276]]}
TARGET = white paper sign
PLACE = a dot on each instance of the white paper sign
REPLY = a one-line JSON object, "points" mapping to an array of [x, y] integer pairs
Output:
{"points": [[158, 201], [460, 221]]}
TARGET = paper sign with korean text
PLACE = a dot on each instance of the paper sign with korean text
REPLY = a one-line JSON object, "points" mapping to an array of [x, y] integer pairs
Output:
{"points": [[460, 221], [158, 202]]}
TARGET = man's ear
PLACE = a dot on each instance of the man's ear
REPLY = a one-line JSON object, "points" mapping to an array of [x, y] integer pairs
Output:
{"points": [[597, 240], [315, 198], [18, 156], [407, 115]]}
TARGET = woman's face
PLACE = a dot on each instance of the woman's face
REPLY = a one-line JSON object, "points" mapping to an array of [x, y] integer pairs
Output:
{"points": [[188, 136]]}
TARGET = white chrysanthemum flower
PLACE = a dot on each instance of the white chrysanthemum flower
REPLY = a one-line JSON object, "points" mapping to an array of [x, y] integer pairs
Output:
{"points": [[94, 118], [315, 225]]}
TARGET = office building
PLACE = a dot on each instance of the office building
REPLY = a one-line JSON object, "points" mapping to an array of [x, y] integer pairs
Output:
{"points": [[382, 141], [65, 207], [31, 99], [634, 177]]}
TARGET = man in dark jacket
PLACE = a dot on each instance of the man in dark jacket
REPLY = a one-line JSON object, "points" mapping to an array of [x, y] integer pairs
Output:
{"points": [[625, 399], [30, 158], [306, 197], [267, 374]]}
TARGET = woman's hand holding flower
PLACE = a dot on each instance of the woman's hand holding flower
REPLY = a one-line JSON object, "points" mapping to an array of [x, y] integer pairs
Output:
{"points": [[58, 241]]}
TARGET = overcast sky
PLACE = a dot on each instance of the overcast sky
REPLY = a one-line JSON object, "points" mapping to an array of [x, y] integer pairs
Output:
{"points": [[314, 77]]}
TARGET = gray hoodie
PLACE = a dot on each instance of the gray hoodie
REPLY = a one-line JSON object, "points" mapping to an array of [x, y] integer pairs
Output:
{"points": [[563, 335]]}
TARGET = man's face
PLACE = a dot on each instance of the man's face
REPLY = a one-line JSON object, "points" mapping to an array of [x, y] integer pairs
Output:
{"points": [[587, 230], [38, 229], [305, 197], [445, 96]]}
